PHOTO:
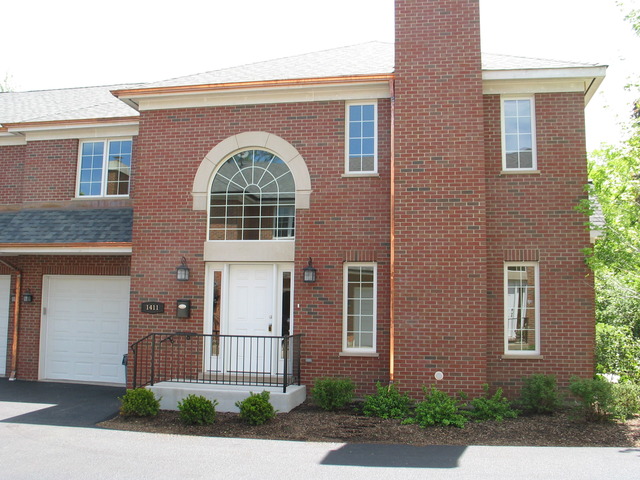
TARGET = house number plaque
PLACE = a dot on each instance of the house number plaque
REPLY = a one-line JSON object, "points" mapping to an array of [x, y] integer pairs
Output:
{"points": [[152, 307]]}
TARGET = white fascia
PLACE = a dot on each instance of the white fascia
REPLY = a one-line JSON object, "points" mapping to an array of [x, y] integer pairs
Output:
{"points": [[74, 131], [58, 250], [262, 95], [585, 80]]}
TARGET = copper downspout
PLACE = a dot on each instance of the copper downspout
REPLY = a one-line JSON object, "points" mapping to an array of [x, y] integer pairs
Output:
{"points": [[16, 316], [392, 239]]}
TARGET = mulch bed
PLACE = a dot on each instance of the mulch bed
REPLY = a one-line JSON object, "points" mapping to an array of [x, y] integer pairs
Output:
{"points": [[309, 423]]}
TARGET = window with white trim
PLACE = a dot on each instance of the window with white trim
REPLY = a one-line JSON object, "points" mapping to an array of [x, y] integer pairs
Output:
{"points": [[521, 309], [360, 287], [518, 134], [362, 138], [253, 197], [104, 168]]}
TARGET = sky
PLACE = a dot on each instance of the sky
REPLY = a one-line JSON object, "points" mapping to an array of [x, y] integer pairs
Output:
{"points": [[72, 43]]}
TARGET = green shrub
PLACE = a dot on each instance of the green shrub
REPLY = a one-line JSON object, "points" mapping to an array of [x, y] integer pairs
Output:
{"points": [[540, 394], [617, 351], [595, 397], [332, 393], [626, 400], [438, 408], [388, 402], [495, 407], [256, 409], [140, 403], [197, 410]]}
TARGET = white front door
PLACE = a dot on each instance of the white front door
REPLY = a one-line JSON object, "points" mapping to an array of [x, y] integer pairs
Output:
{"points": [[251, 314], [5, 294]]}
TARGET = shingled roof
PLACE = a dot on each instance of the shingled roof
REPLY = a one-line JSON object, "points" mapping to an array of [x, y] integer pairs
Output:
{"points": [[107, 225], [364, 59], [372, 58], [63, 104]]}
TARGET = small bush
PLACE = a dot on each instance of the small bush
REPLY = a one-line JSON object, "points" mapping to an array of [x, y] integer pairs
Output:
{"points": [[388, 402], [197, 410], [540, 394], [438, 408], [626, 400], [256, 409], [595, 397], [495, 407], [139, 403], [332, 393]]}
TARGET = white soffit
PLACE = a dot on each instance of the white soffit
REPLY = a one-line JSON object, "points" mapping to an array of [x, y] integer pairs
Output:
{"points": [[60, 250], [544, 80], [242, 95], [34, 132]]}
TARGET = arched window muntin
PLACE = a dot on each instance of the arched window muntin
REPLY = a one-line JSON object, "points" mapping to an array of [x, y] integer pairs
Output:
{"points": [[252, 197]]}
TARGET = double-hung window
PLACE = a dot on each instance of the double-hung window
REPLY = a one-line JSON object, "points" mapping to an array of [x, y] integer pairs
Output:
{"points": [[104, 168], [518, 134], [362, 138], [359, 328], [521, 309]]}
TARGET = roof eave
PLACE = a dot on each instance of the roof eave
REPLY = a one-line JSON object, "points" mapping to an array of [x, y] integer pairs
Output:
{"points": [[100, 248]]}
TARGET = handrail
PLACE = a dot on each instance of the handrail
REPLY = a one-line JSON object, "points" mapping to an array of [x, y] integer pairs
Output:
{"points": [[190, 357]]}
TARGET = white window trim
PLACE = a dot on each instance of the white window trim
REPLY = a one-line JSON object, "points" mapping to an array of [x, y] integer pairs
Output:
{"points": [[363, 351], [367, 173], [105, 167], [521, 353], [534, 146]]}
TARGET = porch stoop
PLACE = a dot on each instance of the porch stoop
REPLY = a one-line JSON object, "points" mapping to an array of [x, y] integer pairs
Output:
{"points": [[171, 393]]}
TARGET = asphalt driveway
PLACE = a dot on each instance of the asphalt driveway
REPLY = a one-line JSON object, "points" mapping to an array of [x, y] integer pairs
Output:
{"points": [[60, 404]]}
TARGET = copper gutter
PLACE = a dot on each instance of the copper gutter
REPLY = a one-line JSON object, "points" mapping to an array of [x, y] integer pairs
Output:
{"points": [[79, 122], [134, 92], [392, 239], [16, 315]]}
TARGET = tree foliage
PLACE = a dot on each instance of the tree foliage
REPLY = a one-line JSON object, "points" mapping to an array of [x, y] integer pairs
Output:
{"points": [[614, 207]]}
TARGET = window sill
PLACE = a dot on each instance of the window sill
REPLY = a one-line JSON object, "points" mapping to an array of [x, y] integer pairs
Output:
{"points": [[86, 198], [360, 175], [515, 356], [520, 172], [359, 354]]}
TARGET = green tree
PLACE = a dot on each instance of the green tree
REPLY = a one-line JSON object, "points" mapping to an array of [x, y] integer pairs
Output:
{"points": [[614, 205]]}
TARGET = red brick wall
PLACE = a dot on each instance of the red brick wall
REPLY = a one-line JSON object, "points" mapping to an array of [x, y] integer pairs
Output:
{"points": [[33, 268], [11, 181], [534, 214], [440, 289], [50, 169], [348, 219]]}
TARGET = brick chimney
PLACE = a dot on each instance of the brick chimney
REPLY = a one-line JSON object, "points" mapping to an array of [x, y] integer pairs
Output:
{"points": [[440, 291]]}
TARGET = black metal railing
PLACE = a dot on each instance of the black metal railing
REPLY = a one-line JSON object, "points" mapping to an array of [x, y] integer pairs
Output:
{"points": [[217, 359]]}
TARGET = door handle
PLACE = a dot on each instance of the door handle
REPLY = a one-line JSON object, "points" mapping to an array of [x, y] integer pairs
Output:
{"points": [[270, 326]]}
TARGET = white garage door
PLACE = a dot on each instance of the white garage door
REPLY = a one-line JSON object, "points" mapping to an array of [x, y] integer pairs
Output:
{"points": [[5, 286], [85, 324]]}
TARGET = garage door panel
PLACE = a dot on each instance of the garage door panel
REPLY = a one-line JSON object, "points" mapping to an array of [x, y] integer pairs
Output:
{"points": [[85, 329]]}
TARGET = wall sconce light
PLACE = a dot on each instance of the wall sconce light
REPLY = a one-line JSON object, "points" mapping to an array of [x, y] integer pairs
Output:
{"points": [[182, 271], [27, 297], [309, 273]]}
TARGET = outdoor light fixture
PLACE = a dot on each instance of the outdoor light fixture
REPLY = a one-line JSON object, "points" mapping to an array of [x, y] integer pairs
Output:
{"points": [[309, 272], [27, 297], [182, 271]]}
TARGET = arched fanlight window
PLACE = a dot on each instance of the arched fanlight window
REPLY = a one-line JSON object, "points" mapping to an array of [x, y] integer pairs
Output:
{"points": [[252, 198]]}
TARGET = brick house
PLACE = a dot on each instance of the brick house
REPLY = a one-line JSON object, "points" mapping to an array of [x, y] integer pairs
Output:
{"points": [[428, 188]]}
